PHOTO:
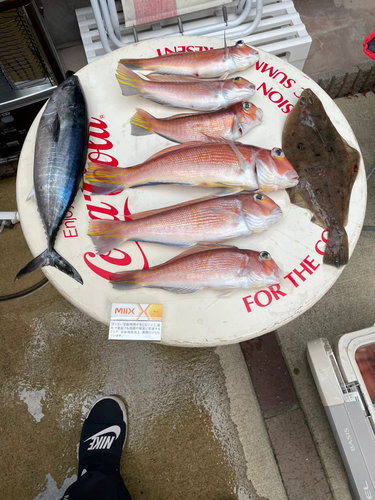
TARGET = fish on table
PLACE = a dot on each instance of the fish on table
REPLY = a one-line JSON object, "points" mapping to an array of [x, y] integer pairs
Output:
{"points": [[202, 64], [327, 168], [205, 164], [178, 92], [206, 220], [59, 160], [229, 123], [273, 170], [211, 266]]}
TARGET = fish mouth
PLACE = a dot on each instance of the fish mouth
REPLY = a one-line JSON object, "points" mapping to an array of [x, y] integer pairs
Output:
{"points": [[253, 56], [274, 216], [276, 276], [259, 114], [292, 178]]}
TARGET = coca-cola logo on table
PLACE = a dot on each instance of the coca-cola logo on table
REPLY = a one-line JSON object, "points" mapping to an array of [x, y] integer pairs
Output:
{"points": [[98, 152]]}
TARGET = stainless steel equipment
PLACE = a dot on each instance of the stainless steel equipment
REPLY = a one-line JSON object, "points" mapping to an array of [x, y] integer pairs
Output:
{"points": [[29, 71]]}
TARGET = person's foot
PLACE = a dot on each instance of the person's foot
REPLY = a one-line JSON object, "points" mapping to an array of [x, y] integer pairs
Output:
{"points": [[103, 435]]}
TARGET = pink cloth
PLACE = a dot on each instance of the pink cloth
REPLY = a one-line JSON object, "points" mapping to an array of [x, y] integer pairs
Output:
{"points": [[138, 12], [147, 11]]}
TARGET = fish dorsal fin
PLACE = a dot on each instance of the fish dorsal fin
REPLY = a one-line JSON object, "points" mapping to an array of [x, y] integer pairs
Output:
{"points": [[352, 153], [318, 221], [198, 249], [210, 138], [147, 213], [180, 115], [175, 148], [173, 78], [354, 159], [296, 197], [54, 127]]}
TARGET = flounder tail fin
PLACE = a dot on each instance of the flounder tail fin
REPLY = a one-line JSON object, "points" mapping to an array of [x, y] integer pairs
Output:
{"points": [[337, 249], [50, 258], [142, 123], [105, 178], [130, 82], [106, 234]]}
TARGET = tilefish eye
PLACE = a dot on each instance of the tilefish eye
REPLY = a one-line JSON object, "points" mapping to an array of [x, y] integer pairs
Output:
{"points": [[265, 256], [240, 43], [237, 79], [258, 197], [310, 100], [302, 100], [246, 106], [277, 153]]}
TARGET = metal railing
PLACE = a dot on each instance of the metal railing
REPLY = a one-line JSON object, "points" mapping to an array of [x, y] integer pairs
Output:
{"points": [[106, 17]]}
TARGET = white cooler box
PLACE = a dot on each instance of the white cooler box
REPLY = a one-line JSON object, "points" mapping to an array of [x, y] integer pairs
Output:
{"points": [[345, 377]]}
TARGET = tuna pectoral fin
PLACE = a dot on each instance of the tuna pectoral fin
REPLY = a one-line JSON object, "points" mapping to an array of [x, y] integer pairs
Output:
{"points": [[31, 195], [337, 249], [50, 258]]}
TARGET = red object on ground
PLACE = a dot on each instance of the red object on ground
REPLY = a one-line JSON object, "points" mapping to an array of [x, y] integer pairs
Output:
{"points": [[365, 358], [369, 45]]}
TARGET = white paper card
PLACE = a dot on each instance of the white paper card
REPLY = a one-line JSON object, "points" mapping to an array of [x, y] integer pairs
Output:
{"points": [[135, 322]]}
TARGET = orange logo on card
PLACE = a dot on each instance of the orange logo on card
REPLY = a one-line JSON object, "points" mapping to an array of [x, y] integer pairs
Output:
{"points": [[124, 310], [149, 312]]}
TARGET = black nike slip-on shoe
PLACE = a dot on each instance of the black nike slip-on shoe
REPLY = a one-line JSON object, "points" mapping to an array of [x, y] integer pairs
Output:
{"points": [[103, 435]]}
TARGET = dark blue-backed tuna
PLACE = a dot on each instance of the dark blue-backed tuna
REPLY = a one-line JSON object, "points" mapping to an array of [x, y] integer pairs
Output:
{"points": [[60, 156]]}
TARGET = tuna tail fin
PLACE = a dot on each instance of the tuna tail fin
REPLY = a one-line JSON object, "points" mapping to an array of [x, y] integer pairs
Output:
{"points": [[142, 123], [130, 82], [337, 249], [126, 280], [50, 258], [106, 234], [105, 178]]}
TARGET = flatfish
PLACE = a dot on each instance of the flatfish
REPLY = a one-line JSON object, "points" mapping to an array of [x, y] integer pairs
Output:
{"points": [[327, 168]]}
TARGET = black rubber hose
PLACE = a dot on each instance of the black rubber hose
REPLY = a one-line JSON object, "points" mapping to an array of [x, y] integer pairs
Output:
{"points": [[22, 293]]}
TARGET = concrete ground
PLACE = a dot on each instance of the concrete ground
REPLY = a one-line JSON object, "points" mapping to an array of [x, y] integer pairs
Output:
{"points": [[234, 422]]}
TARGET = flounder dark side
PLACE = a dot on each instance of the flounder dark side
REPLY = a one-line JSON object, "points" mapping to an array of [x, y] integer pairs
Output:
{"points": [[60, 156], [327, 167]]}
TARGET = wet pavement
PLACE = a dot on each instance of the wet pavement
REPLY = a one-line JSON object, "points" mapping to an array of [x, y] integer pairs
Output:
{"points": [[235, 422]]}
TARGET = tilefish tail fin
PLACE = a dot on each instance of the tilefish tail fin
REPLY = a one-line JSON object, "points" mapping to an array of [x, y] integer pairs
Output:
{"points": [[142, 123], [129, 81], [126, 280], [107, 234], [105, 178], [337, 249], [50, 258]]}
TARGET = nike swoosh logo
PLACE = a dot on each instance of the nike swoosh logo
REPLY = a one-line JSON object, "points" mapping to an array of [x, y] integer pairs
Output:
{"points": [[114, 428]]}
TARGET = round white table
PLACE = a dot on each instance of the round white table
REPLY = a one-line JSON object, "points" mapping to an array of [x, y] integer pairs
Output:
{"points": [[206, 318]]}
